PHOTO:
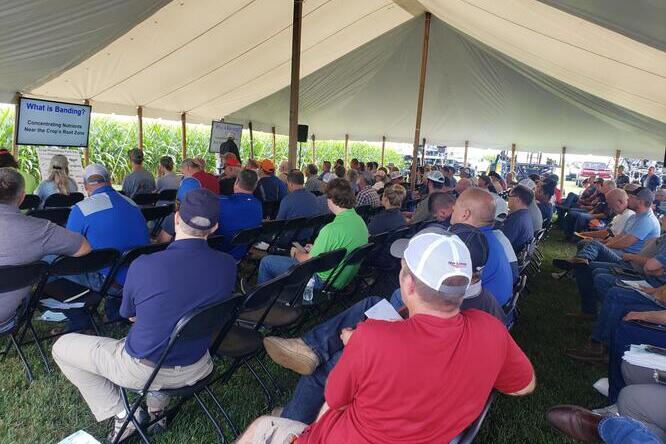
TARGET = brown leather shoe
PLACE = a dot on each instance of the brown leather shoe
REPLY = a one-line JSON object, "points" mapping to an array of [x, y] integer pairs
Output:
{"points": [[575, 422], [590, 352], [293, 354]]}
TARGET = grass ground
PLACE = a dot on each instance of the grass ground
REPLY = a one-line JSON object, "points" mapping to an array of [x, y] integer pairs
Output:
{"points": [[51, 408]]}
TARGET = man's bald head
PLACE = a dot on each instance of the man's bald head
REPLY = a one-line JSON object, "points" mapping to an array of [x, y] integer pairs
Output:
{"points": [[617, 200], [474, 207], [463, 184]]}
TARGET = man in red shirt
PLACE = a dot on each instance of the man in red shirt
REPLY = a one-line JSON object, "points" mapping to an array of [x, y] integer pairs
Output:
{"points": [[421, 380], [192, 168]]}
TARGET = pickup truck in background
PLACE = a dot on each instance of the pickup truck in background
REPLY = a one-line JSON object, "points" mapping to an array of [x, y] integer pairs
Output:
{"points": [[597, 169]]}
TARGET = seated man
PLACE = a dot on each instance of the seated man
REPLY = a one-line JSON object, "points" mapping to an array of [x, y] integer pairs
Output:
{"points": [[535, 213], [476, 207], [543, 196], [270, 190], [312, 184], [231, 169], [384, 389], [391, 218], [347, 231], [618, 202], [440, 206], [108, 220], [193, 168], [463, 184], [239, 211], [139, 180], [26, 239], [167, 180], [367, 195], [435, 183], [299, 202], [160, 289], [518, 226], [603, 254], [578, 221]]}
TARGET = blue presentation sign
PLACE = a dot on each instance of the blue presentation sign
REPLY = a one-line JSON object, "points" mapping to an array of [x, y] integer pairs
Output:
{"points": [[43, 122]]}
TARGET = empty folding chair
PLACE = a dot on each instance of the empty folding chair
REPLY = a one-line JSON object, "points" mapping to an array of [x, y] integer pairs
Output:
{"points": [[197, 324], [14, 278], [156, 215], [63, 200], [58, 216], [145, 199], [30, 202]]}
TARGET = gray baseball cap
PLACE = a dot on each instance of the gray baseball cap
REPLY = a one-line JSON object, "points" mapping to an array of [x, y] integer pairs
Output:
{"points": [[96, 169]]}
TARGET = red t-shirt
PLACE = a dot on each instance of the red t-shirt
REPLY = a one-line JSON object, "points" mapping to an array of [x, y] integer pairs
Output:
{"points": [[208, 181], [423, 380]]}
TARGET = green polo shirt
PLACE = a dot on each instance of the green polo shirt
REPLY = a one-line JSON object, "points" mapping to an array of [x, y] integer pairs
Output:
{"points": [[347, 231]]}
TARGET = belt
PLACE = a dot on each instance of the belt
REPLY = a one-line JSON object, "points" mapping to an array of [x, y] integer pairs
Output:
{"points": [[151, 364]]}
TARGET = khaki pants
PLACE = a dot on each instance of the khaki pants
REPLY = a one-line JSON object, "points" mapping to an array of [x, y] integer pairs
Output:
{"points": [[97, 366], [274, 430]]}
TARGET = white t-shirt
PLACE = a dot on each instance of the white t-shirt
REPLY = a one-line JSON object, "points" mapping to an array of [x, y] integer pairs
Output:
{"points": [[619, 221]]}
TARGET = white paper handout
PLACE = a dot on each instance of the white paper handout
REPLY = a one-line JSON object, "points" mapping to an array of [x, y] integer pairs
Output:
{"points": [[53, 316], [383, 311], [638, 286], [638, 355], [80, 437], [57, 305]]}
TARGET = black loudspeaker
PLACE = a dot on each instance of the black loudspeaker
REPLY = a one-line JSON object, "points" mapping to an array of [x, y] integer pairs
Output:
{"points": [[303, 133]]}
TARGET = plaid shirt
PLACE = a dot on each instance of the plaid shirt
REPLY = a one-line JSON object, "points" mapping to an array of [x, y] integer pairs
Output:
{"points": [[368, 196]]}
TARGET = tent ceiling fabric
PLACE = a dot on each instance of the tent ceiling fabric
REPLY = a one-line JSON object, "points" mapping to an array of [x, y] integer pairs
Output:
{"points": [[41, 38], [209, 58], [485, 97], [641, 20]]}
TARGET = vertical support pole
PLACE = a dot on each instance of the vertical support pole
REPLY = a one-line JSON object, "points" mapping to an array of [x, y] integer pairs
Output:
{"points": [[423, 152], [249, 125], [419, 105], [295, 82], [273, 131], [313, 148], [513, 158], [15, 149], [617, 162], [86, 150], [346, 148], [466, 151], [564, 151], [139, 115], [183, 135], [383, 146]]}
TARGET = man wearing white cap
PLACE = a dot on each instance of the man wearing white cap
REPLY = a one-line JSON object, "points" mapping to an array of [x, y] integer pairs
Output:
{"points": [[384, 388]]}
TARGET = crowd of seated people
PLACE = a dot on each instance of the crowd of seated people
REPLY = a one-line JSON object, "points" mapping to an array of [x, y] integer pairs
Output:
{"points": [[455, 276]]}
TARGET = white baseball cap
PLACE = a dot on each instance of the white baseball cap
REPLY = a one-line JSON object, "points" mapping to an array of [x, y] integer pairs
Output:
{"points": [[434, 257], [435, 176], [96, 169], [529, 183], [395, 175]]}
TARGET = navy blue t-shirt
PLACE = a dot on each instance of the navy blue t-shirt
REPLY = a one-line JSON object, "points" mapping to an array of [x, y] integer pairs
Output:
{"points": [[387, 220], [298, 203], [238, 212], [546, 210], [518, 228], [270, 189], [162, 287]]}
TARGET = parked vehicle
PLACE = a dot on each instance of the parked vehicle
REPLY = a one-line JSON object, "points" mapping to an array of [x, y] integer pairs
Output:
{"points": [[597, 169]]}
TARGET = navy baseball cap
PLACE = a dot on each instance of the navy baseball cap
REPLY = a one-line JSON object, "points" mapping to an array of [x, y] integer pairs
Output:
{"points": [[476, 243], [200, 209]]}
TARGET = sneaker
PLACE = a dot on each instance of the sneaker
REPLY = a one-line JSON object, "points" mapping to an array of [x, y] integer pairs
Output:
{"points": [[293, 354], [569, 263], [560, 275], [130, 429], [160, 425], [611, 410]]}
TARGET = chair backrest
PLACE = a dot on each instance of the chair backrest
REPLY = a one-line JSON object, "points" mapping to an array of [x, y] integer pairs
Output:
{"points": [[58, 216], [157, 213], [318, 222], [94, 261], [300, 274], [216, 242], [247, 236], [356, 257], [130, 255], [167, 195], [265, 294], [198, 323], [363, 211], [62, 200], [16, 277], [468, 435], [517, 290], [270, 209], [30, 202], [146, 199]]}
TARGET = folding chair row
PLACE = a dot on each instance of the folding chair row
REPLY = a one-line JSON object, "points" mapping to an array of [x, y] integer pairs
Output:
{"points": [[58, 216], [151, 199]]}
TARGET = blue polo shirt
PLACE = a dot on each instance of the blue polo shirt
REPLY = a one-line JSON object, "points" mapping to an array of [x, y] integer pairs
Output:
{"points": [[496, 276], [642, 226], [162, 287], [298, 203], [518, 228], [109, 220], [238, 212], [270, 189]]}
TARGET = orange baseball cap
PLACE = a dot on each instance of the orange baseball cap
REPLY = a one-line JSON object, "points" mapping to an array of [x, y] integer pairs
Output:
{"points": [[267, 166]]}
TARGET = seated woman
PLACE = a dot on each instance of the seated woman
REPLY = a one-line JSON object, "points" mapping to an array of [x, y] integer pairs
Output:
{"points": [[58, 180]]}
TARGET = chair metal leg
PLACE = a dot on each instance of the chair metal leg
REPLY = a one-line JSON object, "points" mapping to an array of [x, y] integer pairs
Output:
{"points": [[203, 407], [230, 422], [268, 374], [130, 411], [28, 370], [267, 393], [40, 350], [94, 324]]}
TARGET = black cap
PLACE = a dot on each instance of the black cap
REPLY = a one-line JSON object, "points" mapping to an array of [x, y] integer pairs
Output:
{"points": [[476, 243], [200, 209]]}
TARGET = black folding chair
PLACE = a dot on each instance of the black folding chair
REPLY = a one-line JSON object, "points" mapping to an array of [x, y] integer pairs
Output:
{"points": [[58, 216], [468, 435], [318, 222], [93, 262], [17, 277], [289, 232], [199, 323], [30, 202], [216, 242], [511, 307], [157, 216], [63, 200], [270, 209], [364, 212], [145, 199], [167, 196]]}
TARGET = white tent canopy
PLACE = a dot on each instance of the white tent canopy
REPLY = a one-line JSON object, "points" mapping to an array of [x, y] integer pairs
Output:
{"points": [[591, 72]]}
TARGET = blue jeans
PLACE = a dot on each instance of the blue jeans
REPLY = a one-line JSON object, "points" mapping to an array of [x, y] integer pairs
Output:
{"points": [[585, 280], [596, 251], [625, 334], [617, 303], [324, 340], [625, 430], [575, 221], [78, 318], [272, 266]]}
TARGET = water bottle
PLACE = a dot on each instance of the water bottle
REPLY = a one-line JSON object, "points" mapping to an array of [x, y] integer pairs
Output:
{"points": [[308, 294]]}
